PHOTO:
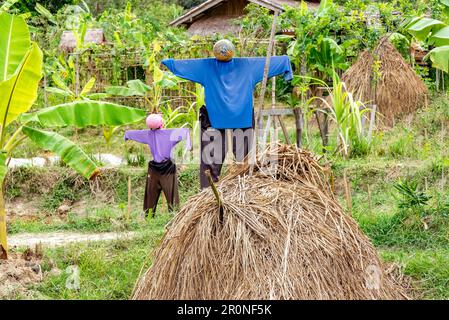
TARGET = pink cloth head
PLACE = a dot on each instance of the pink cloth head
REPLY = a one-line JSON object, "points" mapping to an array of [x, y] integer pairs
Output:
{"points": [[155, 121]]}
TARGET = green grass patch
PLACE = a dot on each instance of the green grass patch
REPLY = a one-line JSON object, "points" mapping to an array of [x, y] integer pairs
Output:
{"points": [[106, 270], [428, 268]]}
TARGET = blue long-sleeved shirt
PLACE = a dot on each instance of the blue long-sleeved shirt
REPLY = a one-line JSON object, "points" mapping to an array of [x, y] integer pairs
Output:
{"points": [[229, 85]]}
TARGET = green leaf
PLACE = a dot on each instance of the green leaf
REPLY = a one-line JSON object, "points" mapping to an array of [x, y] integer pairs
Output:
{"points": [[441, 37], [59, 91], [7, 5], [88, 87], [424, 27], [138, 86], [45, 13], [98, 96], [14, 44], [69, 152], [397, 37], [324, 7], [440, 58], [83, 113], [18, 93], [166, 83], [60, 83], [108, 132], [121, 91], [3, 167]]}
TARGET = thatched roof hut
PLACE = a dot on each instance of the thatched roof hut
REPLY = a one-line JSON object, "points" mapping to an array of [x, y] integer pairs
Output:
{"points": [[68, 40], [216, 16]]}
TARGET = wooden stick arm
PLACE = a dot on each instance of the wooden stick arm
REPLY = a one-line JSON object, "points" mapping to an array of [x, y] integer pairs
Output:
{"points": [[214, 188]]}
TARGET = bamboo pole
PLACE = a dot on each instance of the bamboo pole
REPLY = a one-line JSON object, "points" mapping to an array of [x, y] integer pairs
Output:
{"points": [[370, 203], [372, 121], [347, 192], [128, 213], [216, 194], [299, 122], [284, 130], [45, 90], [265, 74]]}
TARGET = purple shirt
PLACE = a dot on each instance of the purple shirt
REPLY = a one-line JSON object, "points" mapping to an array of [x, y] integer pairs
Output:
{"points": [[160, 141]]}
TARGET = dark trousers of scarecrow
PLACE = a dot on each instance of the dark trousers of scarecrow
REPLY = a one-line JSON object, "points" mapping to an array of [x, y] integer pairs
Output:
{"points": [[214, 147], [161, 177]]}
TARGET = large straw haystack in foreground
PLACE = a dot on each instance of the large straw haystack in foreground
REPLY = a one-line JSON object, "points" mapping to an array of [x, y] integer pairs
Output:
{"points": [[384, 78], [280, 235]]}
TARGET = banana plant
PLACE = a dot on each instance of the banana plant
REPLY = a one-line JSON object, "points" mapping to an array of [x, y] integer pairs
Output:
{"points": [[62, 90], [20, 74], [160, 80], [435, 33], [7, 5], [151, 94]]}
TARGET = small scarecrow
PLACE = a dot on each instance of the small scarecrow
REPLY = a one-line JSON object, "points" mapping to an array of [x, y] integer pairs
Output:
{"points": [[161, 170]]}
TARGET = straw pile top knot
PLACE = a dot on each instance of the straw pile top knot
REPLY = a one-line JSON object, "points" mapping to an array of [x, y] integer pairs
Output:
{"points": [[280, 235]]}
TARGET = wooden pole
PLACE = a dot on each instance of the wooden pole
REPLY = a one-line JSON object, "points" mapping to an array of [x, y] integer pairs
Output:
{"points": [[45, 90], [325, 129], [265, 74], [370, 203], [128, 214], [215, 191], [372, 121], [347, 192], [284, 130], [299, 122]]}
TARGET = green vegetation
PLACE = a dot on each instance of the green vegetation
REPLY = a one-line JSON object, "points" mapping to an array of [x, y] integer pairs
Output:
{"points": [[397, 176]]}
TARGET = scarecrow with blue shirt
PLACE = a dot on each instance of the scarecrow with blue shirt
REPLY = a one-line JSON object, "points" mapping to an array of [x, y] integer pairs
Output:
{"points": [[229, 84]]}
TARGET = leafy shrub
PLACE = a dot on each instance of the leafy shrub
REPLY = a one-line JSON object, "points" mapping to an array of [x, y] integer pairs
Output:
{"points": [[411, 196]]}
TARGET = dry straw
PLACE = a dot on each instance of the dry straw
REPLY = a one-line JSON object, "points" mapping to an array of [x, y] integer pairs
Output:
{"points": [[384, 78], [281, 235]]}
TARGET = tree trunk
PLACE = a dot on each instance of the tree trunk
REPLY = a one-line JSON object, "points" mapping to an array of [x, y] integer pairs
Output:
{"points": [[3, 240]]}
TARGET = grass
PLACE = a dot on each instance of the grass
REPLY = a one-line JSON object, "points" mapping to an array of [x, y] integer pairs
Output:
{"points": [[100, 220], [416, 149], [428, 268], [106, 270]]}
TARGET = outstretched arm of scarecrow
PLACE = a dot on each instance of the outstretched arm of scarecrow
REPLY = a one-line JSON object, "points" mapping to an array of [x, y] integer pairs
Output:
{"points": [[140, 136], [279, 65], [179, 135], [189, 69], [185, 135]]}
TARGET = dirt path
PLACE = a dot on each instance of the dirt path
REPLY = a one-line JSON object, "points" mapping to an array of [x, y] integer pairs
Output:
{"points": [[55, 239]]}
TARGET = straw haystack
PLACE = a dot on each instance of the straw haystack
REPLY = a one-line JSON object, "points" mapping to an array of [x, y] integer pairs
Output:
{"points": [[382, 77], [280, 235]]}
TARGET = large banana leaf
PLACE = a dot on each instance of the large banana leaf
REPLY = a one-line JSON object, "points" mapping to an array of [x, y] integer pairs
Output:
{"points": [[138, 86], [14, 43], [325, 5], [133, 88], [85, 113], [422, 28], [121, 91], [69, 152], [441, 37], [18, 93], [440, 58]]}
